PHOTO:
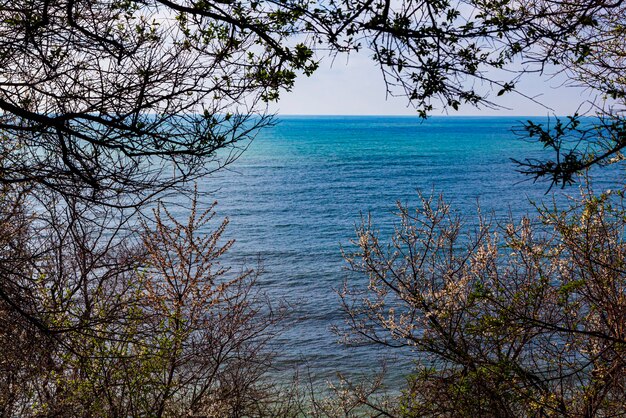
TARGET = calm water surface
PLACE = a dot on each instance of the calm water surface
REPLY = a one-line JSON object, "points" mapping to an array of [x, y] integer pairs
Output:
{"points": [[294, 197]]}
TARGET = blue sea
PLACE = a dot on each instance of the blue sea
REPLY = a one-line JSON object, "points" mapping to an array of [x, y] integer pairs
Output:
{"points": [[295, 195]]}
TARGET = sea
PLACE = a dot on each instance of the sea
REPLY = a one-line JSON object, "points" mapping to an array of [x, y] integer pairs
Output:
{"points": [[295, 196]]}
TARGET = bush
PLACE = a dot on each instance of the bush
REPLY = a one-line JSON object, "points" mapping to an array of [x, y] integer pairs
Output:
{"points": [[521, 319], [104, 320]]}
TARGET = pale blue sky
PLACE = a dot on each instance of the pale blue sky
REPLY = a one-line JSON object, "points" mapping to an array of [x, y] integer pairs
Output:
{"points": [[355, 87]]}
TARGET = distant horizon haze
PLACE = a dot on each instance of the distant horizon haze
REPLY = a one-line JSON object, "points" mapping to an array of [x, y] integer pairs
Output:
{"points": [[356, 87]]}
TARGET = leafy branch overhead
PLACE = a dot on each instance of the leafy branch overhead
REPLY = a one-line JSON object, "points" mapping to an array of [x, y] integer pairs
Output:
{"points": [[102, 99], [450, 50], [577, 144], [115, 99]]}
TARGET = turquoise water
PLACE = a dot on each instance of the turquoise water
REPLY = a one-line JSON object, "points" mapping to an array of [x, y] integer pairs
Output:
{"points": [[295, 196]]}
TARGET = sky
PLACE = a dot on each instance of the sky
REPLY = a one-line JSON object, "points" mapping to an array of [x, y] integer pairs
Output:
{"points": [[355, 86]]}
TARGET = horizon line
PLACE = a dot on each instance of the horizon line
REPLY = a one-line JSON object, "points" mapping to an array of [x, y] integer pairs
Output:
{"points": [[415, 115]]}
